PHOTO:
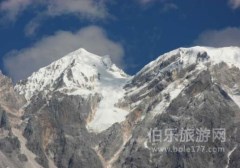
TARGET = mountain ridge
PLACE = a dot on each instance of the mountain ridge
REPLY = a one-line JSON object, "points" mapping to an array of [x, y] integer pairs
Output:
{"points": [[83, 111], [186, 55]]}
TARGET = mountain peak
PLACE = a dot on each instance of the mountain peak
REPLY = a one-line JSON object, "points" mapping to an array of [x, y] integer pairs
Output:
{"points": [[77, 70], [196, 55], [229, 55], [83, 74], [85, 99]]}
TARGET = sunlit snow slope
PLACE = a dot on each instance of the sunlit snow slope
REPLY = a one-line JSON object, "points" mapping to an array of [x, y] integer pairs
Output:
{"points": [[188, 56], [82, 73]]}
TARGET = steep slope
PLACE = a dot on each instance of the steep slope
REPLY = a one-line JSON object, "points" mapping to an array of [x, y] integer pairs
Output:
{"points": [[83, 111], [13, 152], [78, 72], [168, 72], [82, 73], [68, 102], [188, 88]]}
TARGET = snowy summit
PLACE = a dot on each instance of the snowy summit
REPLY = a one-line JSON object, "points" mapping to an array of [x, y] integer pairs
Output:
{"points": [[82, 73]]}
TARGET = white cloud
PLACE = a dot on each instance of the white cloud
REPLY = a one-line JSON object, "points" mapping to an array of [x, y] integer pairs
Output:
{"points": [[20, 64], [220, 38], [32, 26], [13, 7], [166, 5], [85, 8], [234, 4]]}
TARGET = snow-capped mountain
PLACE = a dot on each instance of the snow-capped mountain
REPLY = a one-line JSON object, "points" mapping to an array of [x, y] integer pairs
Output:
{"points": [[184, 57], [164, 71], [186, 88], [83, 111], [82, 73]]}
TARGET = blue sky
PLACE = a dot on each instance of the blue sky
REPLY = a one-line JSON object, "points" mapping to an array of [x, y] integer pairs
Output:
{"points": [[132, 32]]}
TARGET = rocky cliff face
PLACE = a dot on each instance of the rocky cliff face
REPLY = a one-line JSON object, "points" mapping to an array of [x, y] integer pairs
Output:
{"points": [[13, 152], [184, 89], [83, 111]]}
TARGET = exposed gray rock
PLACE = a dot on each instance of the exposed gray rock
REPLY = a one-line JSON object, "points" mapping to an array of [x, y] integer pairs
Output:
{"points": [[213, 109], [168, 93], [22, 158], [7, 94], [110, 141], [4, 122], [56, 127]]}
